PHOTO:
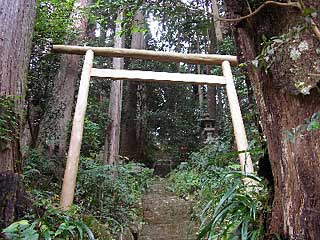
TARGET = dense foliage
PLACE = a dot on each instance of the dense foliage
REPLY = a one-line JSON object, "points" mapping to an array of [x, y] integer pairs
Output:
{"points": [[107, 199], [8, 121], [226, 208], [52, 26]]}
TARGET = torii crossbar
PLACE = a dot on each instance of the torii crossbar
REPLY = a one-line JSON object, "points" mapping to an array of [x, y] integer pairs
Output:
{"points": [[88, 71]]}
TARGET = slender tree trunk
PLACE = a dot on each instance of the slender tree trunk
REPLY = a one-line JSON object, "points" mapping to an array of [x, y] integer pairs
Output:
{"points": [[286, 96], [129, 140], [217, 23], [215, 36], [53, 128], [212, 90], [142, 122], [17, 20], [200, 92], [112, 140]]}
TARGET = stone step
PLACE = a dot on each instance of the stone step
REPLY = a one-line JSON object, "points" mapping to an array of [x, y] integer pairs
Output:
{"points": [[181, 230], [165, 238], [159, 189], [166, 210], [166, 216], [162, 168]]}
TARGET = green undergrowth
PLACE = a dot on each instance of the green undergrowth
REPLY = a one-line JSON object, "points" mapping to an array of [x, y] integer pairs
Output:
{"points": [[106, 201], [8, 121], [225, 207]]}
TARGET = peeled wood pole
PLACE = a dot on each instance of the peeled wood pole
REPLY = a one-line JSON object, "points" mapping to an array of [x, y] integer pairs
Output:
{"points": [[149, 76], [237, 121], [148, 54], [70, 174]]}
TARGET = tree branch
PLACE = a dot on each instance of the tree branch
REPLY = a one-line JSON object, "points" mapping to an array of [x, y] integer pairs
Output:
{"points": [[289, 4], [315, 29], [298, 5]]}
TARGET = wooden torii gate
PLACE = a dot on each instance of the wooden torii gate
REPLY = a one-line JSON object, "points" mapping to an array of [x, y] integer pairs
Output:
{"points": [[88, 71]]}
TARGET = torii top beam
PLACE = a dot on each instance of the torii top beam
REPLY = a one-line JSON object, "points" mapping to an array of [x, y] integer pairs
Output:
{"points": [[209, 59]]}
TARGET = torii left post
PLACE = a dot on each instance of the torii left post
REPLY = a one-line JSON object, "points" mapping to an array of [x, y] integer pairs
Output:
{"points": [[71, 170]]}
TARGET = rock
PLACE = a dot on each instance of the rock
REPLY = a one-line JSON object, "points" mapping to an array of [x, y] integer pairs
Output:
{"points": [[162, 167]]}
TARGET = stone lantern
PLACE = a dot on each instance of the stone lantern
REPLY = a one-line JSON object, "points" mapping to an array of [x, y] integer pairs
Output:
{"points": [[207, 124]]}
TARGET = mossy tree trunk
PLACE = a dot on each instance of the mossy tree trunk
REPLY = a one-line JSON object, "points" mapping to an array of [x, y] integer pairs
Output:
{"points": [[53, 129], [17, 20], [287, 93]]}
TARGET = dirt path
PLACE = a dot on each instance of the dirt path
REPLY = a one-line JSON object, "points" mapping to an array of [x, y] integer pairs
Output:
{"points": [[166, 216]]}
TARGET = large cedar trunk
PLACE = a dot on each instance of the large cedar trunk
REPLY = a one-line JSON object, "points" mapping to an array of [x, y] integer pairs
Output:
{"points": [[142, 93], [129, 139], [17, 19], [128, 130], [112, 139], [53, 128], [286, 95]]}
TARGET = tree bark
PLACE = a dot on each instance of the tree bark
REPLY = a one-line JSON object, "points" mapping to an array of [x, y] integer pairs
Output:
{"points": [[200, 92], [142, 108], [215, 36], [129, 140], [216, 22], [17, 20], [286, 96], [112, 140], [142, 91], [53, 129]]}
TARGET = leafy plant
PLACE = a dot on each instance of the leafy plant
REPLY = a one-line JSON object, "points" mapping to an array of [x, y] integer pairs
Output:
{"points": [[21, 230], [111, 193], [227, 208], [238, 214], [52, 224], [310, 124], [94, 126], [185, 182], [270, 47], [107, 197]]}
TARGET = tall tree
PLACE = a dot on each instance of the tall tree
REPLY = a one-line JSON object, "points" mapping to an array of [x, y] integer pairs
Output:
{"points": [[129, 143], [200, 87], [53, 129], [17, 20], [285, 86], [217, 23], [142, 92], [112, 140], [215, 36]]}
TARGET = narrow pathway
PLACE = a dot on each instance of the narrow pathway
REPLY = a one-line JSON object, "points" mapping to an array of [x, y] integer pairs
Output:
{"points": [[166, 216]]}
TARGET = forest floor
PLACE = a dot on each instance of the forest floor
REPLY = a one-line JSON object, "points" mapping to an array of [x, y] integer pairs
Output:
{"points": [[166, 216]]}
